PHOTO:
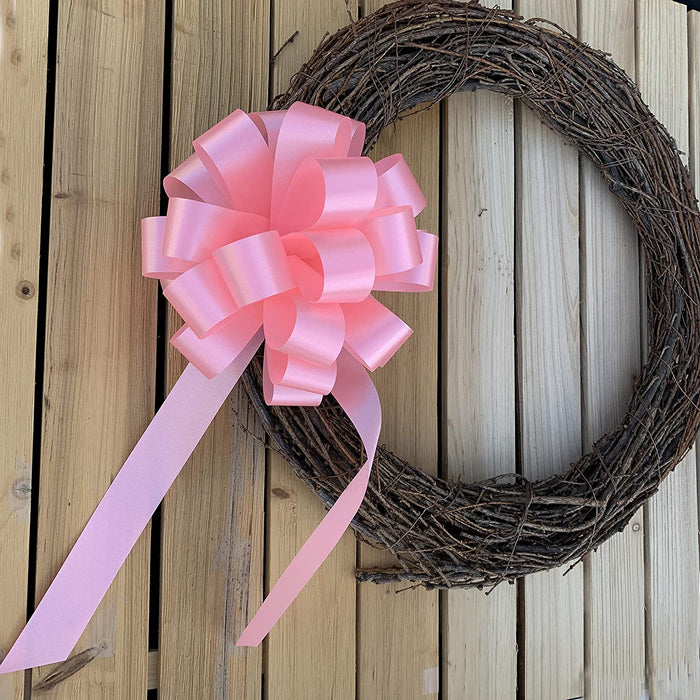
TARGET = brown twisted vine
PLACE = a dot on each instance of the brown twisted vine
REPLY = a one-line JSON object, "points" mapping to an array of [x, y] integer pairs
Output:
{"points": [[410, 55]]}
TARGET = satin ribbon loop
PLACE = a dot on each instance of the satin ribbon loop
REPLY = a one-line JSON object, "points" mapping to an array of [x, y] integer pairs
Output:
{"points": [[255, 267], [329, 193], [336, 265], [357, 138], [190, 180], [393, 236], [418, 279], [194, 230], [373, 333], [280, 395], [154, 263], [201, 297], [213, 353], [311, 332], [397, 186], [237, 158], [269, 125], [294, 373], [306, 132]]}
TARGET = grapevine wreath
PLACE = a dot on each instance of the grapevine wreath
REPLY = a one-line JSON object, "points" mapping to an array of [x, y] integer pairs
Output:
{"points": [[407, 56]]}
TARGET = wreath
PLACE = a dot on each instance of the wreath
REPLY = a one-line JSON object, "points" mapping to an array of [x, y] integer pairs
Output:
{"points": [[406, 57]]}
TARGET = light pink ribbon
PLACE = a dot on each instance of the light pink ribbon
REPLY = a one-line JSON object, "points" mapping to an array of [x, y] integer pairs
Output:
{"points": [[277, 229]]}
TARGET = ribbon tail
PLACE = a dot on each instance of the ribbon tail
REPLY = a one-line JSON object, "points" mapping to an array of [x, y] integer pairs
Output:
{"points": [[358, 397], [72, 598]]}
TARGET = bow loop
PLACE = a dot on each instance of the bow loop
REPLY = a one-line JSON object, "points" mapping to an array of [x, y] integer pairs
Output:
{"points": [[373, 333], [269, 125], [281, 395], [329, 193], [294, 373], [394, 239], [417, 279], [306, 132], [396, 185], [201, 297], [213, 353], [194, 230], [239, 161], [311, 332], [255, 268], [154, 262], [331, 265], [190, 180]]}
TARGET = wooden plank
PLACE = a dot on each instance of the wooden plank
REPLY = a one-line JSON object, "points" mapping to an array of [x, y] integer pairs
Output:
{"points": [[153, 669], [23, 78], [212, 561], [480, 658], [213, 517], [611, 358], [547, 303], [478, 368], [311, 650], [398, 627], [694, 92], [99, 374], [671, 545], [694, 113]]}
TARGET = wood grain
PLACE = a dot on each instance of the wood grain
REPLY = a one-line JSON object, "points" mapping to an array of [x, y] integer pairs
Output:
{"points": [[153, 669], [611, 358], [99, 369], [24, 32], [547, 303], [694, 117], [213, 517], [398, 627], [694, 92], [478, 368], [311, 650], [671, 544]]}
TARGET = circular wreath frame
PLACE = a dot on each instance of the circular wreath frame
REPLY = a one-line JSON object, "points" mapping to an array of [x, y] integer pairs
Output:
{"points": [[408, 56]]}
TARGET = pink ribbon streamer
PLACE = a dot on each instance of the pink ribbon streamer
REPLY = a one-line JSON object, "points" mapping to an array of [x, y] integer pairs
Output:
{"points": [[277, 228], [357, 396], [122, 515]]}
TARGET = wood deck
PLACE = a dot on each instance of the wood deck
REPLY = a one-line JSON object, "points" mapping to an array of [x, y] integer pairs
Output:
{"points": [[540, 306]]}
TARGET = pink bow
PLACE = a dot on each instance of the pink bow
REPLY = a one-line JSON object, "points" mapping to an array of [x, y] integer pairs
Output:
{"points": [[277, 229], [277, 221]]}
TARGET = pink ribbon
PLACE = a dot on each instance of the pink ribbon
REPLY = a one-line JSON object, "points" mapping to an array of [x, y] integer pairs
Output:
{"points": [[278, 230]]}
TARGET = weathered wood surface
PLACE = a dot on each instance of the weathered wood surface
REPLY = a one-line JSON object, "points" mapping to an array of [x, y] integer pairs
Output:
{"points": [[99, 360], [398, 627], [478, 368], [541, 309], [548, 371], [23, 67], [610, 360], [213, 517], [671, 535], [311, 652]]}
